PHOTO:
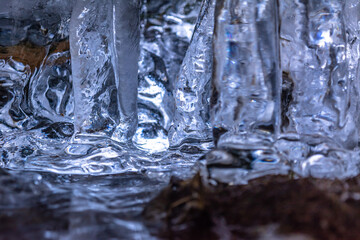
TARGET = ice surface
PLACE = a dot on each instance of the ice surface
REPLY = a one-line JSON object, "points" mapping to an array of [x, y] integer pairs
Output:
{"points": [[31, 79], [166, 33], [168, 30], [38, 21], [193, 84], [51, 89], [93, 76], [38, 205], [245, 101], [352, 19], [14, 77], [319, 62], [315, 54], [125, 56], [66, 63], [104, 40], [48, 86]]}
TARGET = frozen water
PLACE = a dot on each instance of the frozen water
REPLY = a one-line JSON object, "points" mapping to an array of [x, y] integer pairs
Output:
{"points": [[95, 92], [193, 84], [166, 33], [245, 101], [315, 54], [144, 89], [37, 205], [46, 91], [14, 77], [125, 56], [352, 19], [104, 43], [48, 86], [37, 21], [35, 83], [319, 62], [40, 83], [168, 30], [51, 89]]}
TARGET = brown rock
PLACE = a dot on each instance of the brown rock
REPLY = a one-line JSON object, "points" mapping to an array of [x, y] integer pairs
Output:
{"points": [[317, 208]]}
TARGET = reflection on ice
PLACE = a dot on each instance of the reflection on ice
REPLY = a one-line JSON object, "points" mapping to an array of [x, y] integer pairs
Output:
{"points": [[72, 73], [314, 58], [246, 78], [105, 81], [101, 102], [192, 88], [75, 75], [139, 91]]}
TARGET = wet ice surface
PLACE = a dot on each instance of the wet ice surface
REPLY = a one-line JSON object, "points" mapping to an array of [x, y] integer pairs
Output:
{"points": [[318, 48], [246, 77], [167, 31], [40, 118], [58, 187], [67, 104], [50, 206], [320, 72], [193, 85]]}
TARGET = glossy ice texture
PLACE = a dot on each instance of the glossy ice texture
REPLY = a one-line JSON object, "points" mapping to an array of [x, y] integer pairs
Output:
{"points": [[104, 42], [75, 63], [320, 94], [173, 77], [193, 85], [125, 56], [38, 205], [167, 28], [35, 83], [245, 100], [319, 61], [102, 101]]}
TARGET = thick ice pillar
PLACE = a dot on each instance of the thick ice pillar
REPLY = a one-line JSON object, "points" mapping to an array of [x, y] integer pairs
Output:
{"points": [[94, 87], [318, 43], [126, 52], [352, 19], [104, 42], [192, 87], [246, 81]]}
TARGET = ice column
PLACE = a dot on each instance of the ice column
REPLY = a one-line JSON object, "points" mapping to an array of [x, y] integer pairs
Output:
{"points": [[245, 100], [192, 87], [318, 43], [94, 87], [126, 52], [352, 19], [104, 42]]}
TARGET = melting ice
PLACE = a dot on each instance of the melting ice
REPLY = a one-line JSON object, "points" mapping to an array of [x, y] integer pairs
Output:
{"points": [[160, 88]]}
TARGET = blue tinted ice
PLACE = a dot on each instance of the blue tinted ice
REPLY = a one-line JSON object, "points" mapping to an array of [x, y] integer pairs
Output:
{"points": [[246, 94], [192, 89]]}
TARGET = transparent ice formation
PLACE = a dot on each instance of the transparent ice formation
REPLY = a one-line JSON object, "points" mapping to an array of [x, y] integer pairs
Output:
{"points": [[35, 83], [319, 62], [102, 101], [316, 42], [14, 77], [47, 89], [245, 100], [64, 75], [51, 89], [125, 52], [104, 41], [71, 69], [193, 85], [167, 28]]}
